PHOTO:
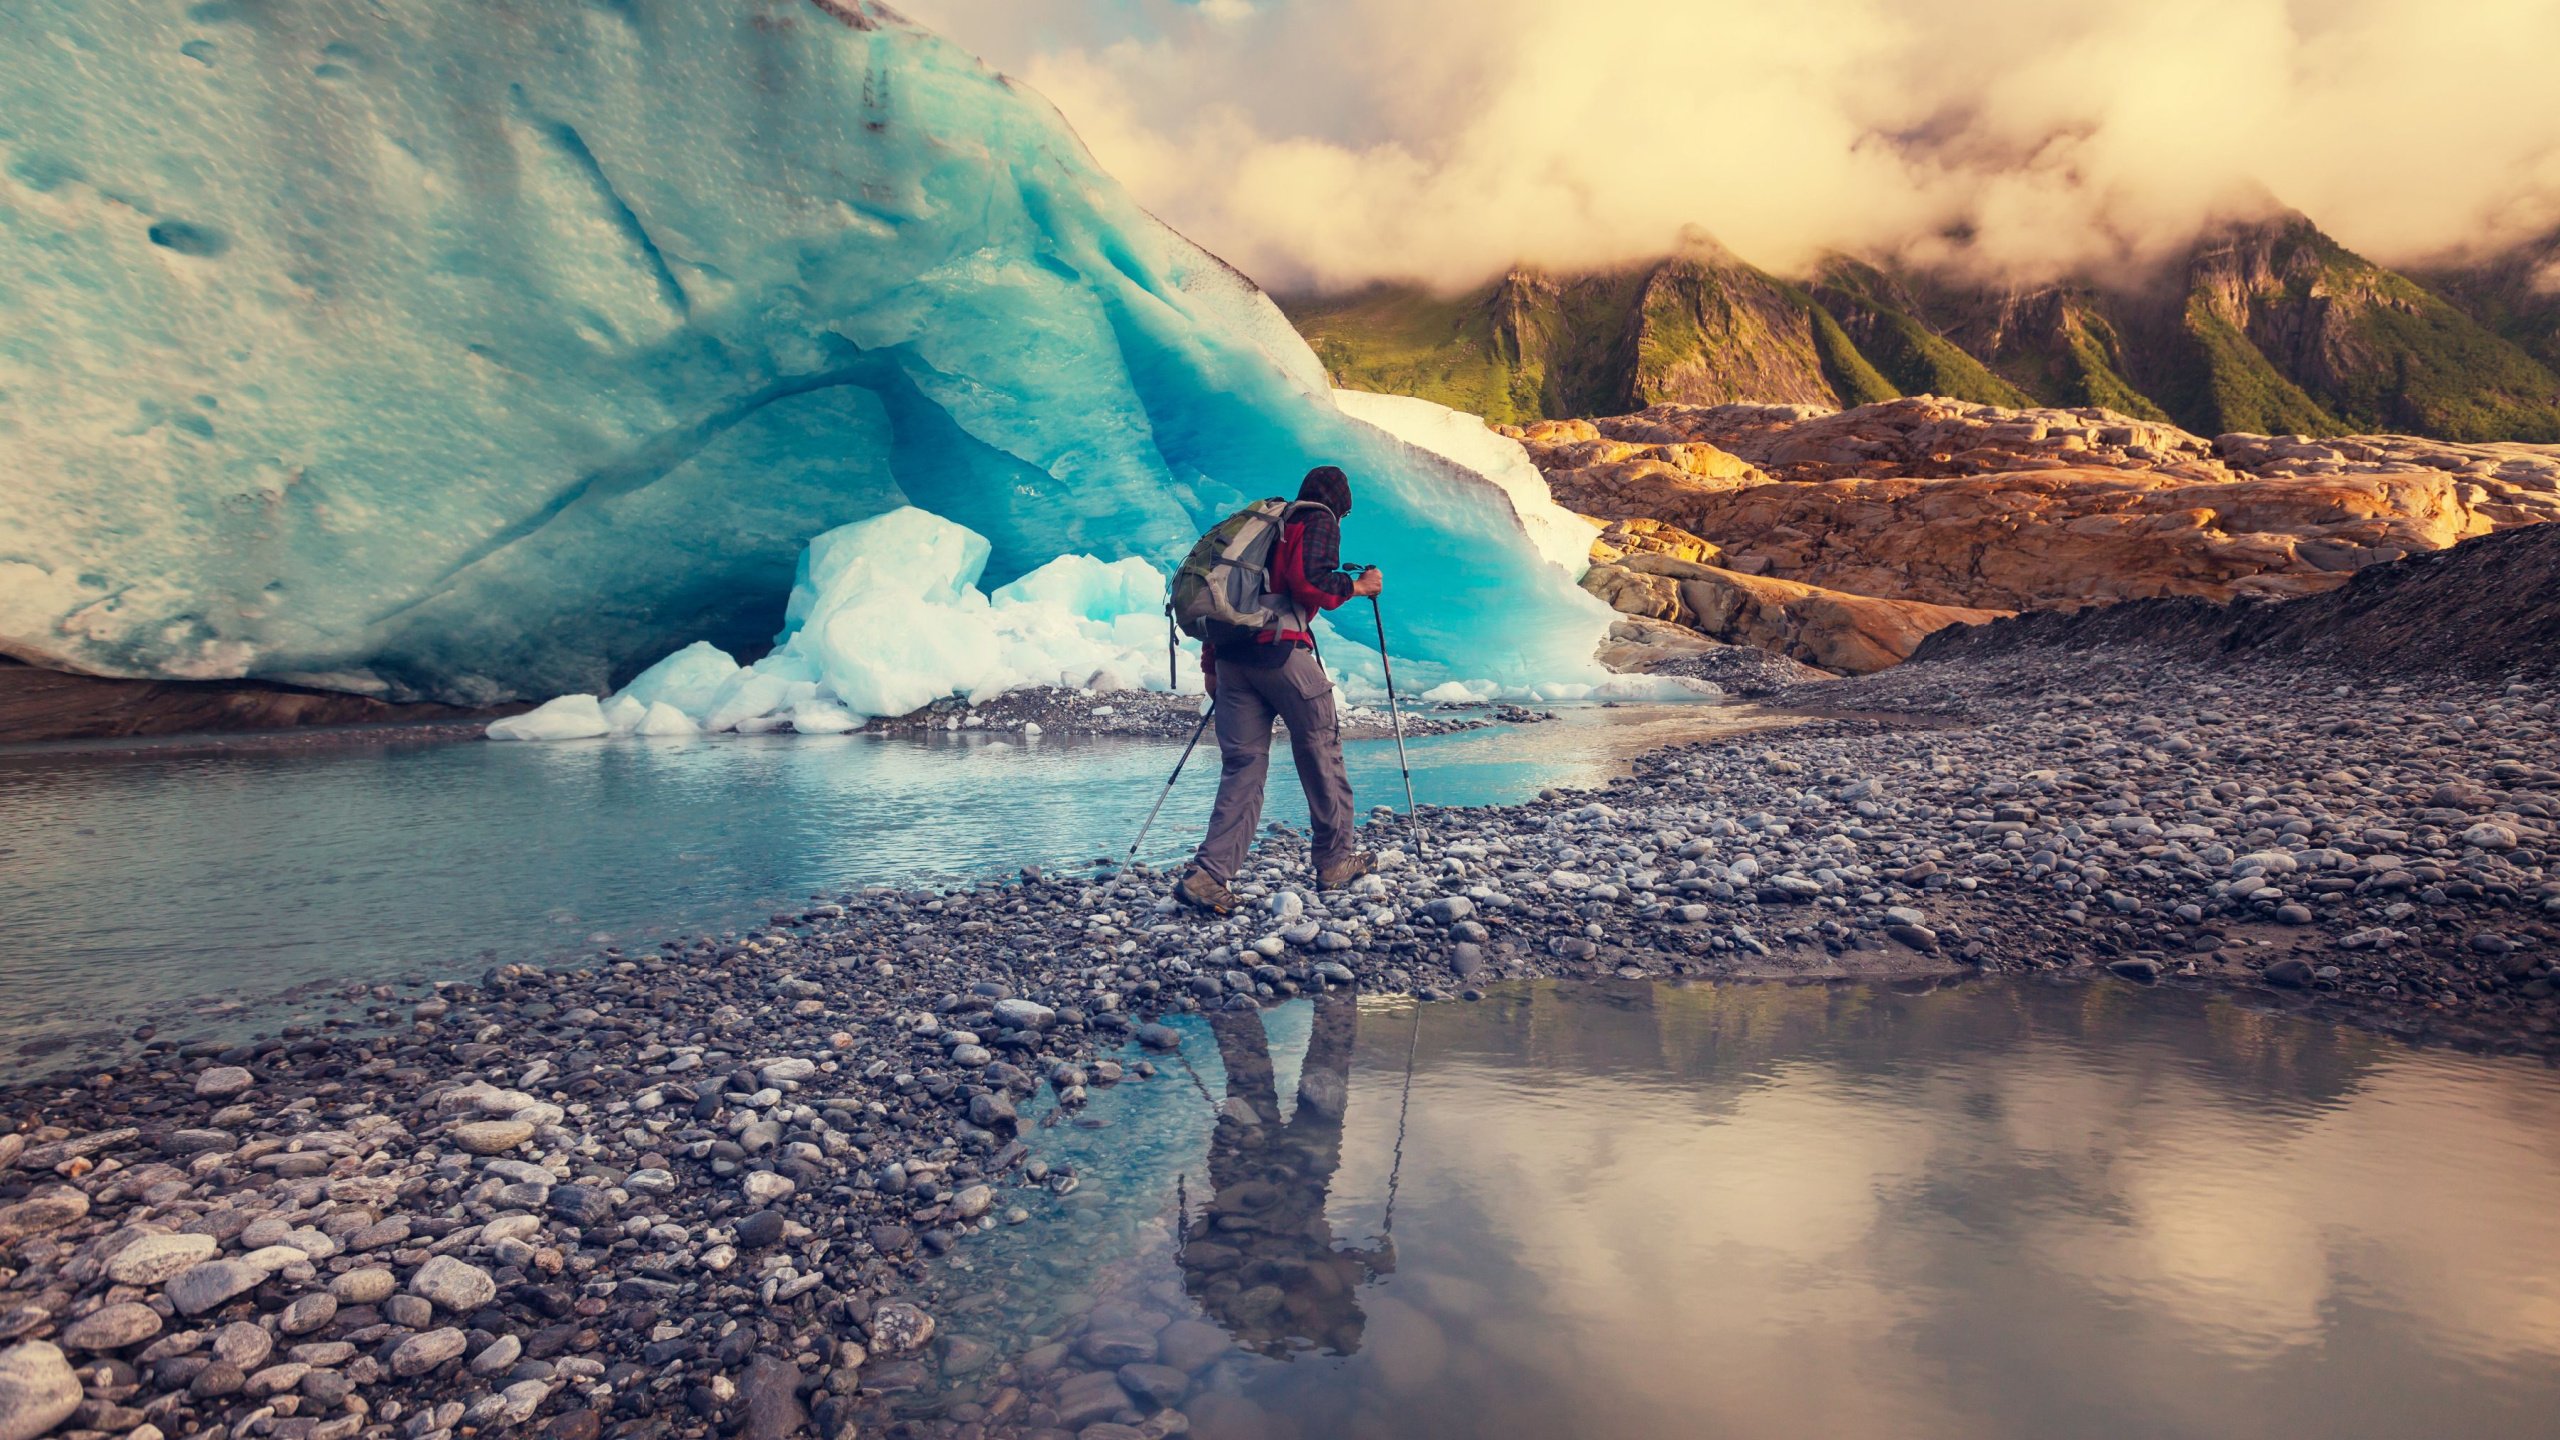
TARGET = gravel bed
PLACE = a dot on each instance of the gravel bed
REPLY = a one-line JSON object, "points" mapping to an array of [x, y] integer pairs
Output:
{"points": [[698, 1190]]}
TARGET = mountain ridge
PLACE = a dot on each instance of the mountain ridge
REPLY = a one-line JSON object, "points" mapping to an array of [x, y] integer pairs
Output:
{"points": [[2266, 326]]}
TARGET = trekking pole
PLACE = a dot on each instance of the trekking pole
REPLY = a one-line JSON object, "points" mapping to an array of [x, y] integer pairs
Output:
{"points": [[1167, 793], [1413, 817]]}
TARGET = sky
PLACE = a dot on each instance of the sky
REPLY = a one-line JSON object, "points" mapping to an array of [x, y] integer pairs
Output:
{"points": [[1322, 144]]}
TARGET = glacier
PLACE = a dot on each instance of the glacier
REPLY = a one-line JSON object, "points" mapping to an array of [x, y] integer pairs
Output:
{"points": [[474, 352]]}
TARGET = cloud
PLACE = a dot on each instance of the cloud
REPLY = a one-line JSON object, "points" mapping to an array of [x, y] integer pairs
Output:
{"points": [[1323, 143]]}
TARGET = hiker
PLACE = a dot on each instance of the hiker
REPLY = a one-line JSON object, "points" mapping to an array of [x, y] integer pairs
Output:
{"points": [[1271, 672]]}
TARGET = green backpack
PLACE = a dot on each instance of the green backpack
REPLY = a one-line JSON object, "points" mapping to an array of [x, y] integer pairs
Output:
{"points": [[1226, 580]]}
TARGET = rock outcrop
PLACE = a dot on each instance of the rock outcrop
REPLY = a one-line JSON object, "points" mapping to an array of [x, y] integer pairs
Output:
{"points": [[1954, 504], [1855, 634]]}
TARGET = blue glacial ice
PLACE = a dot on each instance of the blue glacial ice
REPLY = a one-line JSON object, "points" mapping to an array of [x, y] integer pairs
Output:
{"points": [[478, 351]]}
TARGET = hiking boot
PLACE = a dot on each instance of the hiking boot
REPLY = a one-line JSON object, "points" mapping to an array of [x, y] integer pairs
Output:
{"points": [[1201, 889], [1343, 871]]}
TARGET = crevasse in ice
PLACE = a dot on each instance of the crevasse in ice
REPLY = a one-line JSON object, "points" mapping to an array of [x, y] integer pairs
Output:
{"points": [[475, 351]]}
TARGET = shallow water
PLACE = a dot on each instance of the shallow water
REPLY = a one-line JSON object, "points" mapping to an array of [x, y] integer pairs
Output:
{"points": [[1995, 1210], [135, 879]]}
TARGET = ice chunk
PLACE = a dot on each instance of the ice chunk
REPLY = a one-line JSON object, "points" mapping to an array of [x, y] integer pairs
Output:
{"points": [[570, 717], [465, 351], [821, 717], [690, 679], [665, 719], [622, 714], [1563, 537]]}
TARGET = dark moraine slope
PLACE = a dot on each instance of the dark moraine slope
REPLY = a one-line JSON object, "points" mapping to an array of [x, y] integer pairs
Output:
{"points": [[2489, 606]]}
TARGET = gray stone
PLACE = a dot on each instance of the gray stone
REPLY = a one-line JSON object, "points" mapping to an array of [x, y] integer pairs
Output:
{"points": [[308, 1313], [40, 1213], [369, 1286], [200, 1288], [498, 1356], [763, 1187], [1025, 1014], [424, 1352], [992, 1112], [1159, 1037], [222, 1082], [37, 1390], [973, 1201], [489, 1137], [153, 1259], [112, 1327], [456, 1285], [244, 1344], [1449, 909], [789, 1069]]}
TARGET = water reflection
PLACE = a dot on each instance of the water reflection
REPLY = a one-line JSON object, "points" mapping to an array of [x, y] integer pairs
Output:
{"points": [[154, 881], [1999, 1210], [1261, 1258]]}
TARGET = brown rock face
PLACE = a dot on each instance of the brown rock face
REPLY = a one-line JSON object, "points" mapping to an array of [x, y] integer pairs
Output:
{"points": [[1829, 628], [1954, 504]]}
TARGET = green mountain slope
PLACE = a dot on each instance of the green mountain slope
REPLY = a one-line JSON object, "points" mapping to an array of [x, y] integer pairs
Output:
{"points": [[2267, 326], [1880, 315]]}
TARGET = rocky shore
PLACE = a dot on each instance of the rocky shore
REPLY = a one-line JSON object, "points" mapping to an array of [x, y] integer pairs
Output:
{"points": [[699, 1190]]}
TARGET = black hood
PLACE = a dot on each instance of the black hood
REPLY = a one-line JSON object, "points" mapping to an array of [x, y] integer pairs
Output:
{"points": [[1329, 487]]}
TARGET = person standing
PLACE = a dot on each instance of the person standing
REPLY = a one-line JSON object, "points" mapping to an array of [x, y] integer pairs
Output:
{"points": [[1259, 676]]}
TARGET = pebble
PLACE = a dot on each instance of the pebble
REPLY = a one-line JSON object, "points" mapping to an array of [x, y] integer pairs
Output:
{"points": [[112, 1327], [425, 1351], [201, 1287], [37, 1390], [154, 1259], [455, 1285], [900, 1328], [490, 1137], [224, 1082]]}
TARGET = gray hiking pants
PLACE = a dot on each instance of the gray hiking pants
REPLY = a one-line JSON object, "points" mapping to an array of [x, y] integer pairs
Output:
{"points": [[1298, 695]]}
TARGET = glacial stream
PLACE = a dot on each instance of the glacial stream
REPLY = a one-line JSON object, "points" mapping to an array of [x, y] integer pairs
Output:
{"points": [[166, 883], [1634, 1211]]}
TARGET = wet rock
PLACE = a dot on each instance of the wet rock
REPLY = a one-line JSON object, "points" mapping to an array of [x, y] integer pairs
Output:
{"points": [[973, 1201], [1089, 1396], [764, 1227], [1118, 1342], [1159, 1037], [1154, 1386], [769, 1393], [1191, 1346], [2288, 972], [2136, 968], [899, 1328]]}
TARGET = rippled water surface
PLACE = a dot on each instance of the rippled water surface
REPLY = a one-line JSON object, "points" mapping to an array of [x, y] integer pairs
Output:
{"points": [[135, 879], [1999, 1210]]}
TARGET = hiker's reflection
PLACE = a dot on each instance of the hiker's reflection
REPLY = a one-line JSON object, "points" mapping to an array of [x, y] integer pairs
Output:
{"points": [[1259, 1256]]}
